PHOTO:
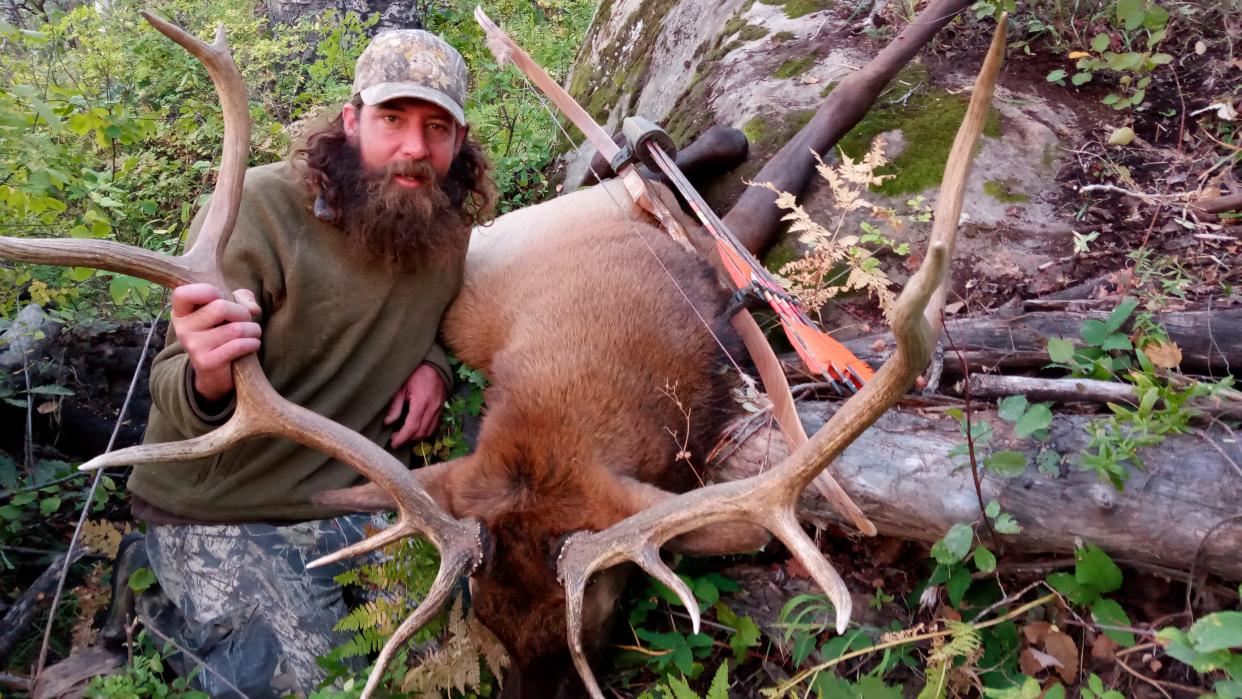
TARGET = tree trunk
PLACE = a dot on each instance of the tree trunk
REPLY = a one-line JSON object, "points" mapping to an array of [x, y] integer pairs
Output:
{"points": [[900, 472]]}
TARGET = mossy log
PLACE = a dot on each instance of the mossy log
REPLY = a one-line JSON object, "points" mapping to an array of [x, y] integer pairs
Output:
{"points": [[1186, 503]]}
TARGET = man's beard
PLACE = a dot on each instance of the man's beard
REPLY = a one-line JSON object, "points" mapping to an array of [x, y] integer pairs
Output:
{"points": [[401, 227]]}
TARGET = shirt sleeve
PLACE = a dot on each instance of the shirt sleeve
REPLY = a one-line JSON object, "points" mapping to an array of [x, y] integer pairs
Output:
{"points": [[438, 359], [250, 262]]}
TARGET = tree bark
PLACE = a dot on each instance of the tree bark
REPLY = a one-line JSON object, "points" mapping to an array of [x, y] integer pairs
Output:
{"points": [[755, 218], [1186, 503]]}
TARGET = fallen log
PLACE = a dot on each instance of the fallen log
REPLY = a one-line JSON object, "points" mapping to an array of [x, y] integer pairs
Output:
{"points": [[1187, 503], [991, 386], [1211, 341], [17, 619]]}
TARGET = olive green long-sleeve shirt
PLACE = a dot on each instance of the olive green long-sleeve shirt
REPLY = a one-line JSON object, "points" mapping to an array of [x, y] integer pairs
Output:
{"points": [[340, 336]]}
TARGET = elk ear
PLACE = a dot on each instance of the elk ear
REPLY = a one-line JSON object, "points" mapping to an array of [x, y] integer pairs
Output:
{"points": [[435, 480], [719, 539]]}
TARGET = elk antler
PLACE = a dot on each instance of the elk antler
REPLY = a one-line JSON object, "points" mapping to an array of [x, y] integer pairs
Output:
{"points": [[261, 411], [768, 499]]}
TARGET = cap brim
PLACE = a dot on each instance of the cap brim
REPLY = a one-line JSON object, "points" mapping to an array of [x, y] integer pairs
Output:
{"points": [[384, 92]]}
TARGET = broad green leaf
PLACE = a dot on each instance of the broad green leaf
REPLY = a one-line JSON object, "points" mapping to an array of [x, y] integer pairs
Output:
{"points": [[1071, 588], [1131, 13], [985, 560], [1039, 417], [956, 588], [1049, 463], [1155, 17], [1006, 524], [1012, 407], [1006, 464], [1095, 570], [48, 506], [959, 538], [1121, 313], [1094, 332], [1122, 136], [1081, 78], [141, 579], [1218, 631], [993, 508], [1108, 613], [1056, 76], [1060, 350], [1116, 341], [1100, 42]]}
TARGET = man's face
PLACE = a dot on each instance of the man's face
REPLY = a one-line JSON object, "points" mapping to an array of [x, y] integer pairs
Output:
{"points": [[404, 130]]}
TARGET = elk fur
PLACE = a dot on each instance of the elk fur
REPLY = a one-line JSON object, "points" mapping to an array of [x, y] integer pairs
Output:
{"points": [[604, 345]]}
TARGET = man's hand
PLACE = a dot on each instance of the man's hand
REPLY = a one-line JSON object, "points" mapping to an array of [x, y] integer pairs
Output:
{"points": [[422, 395], [214, 332]]}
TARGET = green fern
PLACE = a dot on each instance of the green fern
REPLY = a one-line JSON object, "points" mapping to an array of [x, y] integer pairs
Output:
{"points": [[395, 585], [676, 688], [964, 642]]}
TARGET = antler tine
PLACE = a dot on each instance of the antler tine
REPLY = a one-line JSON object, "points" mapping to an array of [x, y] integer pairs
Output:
{"points": [[436, 597], [208, 248], [769, 499]]}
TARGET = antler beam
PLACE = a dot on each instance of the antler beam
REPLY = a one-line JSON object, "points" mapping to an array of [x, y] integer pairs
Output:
{"points": [[768, 499]]}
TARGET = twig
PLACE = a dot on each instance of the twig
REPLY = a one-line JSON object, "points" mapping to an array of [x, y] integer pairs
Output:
{"points": [[1159, 684], [21, 684], [1144, 678], [1194, 562], [6, 494], [90, 495], [970, 440], [1130, 193], [789, 684], [201, 663]]}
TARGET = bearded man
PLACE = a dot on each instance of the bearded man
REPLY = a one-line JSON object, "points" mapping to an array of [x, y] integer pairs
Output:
{"points": [[344, 257]]}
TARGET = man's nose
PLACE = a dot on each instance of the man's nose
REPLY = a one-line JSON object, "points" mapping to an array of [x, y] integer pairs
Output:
{"points": [[413, 146]]}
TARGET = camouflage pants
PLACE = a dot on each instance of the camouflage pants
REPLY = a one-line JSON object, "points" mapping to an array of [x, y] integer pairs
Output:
{"points": [[240, 598]]}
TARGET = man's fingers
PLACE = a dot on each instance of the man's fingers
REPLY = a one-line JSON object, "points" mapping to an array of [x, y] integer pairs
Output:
{"points": [[231, 351], [188, 297], [409, 427], [395, 406], [203, 347], [431, 419], [246, 298], [217, 312]]}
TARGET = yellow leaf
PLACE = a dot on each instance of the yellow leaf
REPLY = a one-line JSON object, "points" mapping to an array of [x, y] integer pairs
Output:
{"points": [[1166, 355], [102, 537], [1075, 55]]}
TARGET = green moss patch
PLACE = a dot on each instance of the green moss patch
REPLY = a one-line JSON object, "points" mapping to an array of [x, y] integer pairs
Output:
{"points": [[797, 8], [780, 255], [1003, 191], [782, 37], [929, 122], [795, 67]]}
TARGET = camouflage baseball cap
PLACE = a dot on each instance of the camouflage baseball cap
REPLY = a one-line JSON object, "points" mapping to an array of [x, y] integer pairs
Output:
{"points": [[412, 63]]}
